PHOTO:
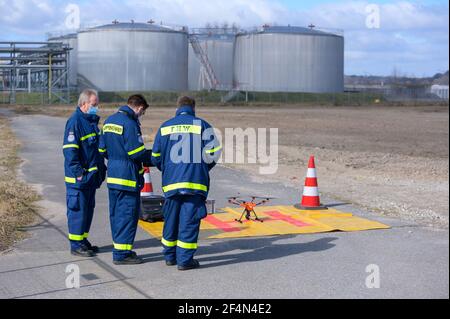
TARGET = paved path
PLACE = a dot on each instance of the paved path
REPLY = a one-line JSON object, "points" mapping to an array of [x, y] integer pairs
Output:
{"points": [[413, 261]]}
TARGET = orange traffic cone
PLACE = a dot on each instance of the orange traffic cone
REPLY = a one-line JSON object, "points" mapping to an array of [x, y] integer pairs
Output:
{"points": [[311, 197], [147, 190]]}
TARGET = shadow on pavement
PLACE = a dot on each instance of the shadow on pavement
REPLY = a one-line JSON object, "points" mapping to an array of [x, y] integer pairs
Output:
{"points": [[259, 250], [254, 250], [337, 204]]}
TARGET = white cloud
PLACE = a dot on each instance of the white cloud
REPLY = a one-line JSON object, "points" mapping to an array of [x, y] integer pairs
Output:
{"points": [[188, 12]]}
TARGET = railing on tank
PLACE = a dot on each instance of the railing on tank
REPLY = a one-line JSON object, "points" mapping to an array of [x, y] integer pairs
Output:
{"points": [[215, 31]]}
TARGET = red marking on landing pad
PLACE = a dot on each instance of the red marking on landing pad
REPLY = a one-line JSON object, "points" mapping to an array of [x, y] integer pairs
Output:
{"points": [[224, 226], [276, 214]]}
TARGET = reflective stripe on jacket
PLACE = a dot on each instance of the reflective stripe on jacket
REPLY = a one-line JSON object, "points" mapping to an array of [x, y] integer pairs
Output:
{"points": [[185, 150]]}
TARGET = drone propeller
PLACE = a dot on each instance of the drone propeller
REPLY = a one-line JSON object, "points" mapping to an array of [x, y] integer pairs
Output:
{"points": [[263, 197]]}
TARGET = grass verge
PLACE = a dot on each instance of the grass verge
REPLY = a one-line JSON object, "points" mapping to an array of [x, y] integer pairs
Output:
{"points": [[17, 200]]}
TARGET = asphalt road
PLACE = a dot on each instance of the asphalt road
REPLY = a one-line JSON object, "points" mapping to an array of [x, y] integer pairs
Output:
{"points": [[413, 261]]}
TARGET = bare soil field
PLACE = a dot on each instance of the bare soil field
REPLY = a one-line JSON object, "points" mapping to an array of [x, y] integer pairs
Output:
{"points": [[393, 160]]}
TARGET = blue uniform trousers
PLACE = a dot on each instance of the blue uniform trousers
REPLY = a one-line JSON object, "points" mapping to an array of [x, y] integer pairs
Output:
{"points": [[80, 211], [124, 208], [182, 217]]}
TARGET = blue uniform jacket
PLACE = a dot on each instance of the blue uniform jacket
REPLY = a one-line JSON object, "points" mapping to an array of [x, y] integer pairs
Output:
{"points": [[185, 150], [81, 155], [122, 144]]}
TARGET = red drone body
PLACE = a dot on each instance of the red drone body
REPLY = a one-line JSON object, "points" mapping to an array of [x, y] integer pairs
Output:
{"points": [[248, 206]]}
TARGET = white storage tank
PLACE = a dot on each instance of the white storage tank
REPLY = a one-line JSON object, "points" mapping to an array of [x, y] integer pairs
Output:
{"points": [[133, 57], [289, 59]]}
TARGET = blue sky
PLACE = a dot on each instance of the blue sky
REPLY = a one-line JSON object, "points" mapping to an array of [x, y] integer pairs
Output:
{"points": [[412, 38]]}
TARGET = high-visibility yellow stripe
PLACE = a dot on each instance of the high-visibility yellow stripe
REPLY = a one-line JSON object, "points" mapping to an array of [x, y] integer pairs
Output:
{"points": [[168, 243], [176, 129], [102, 150], [187, 245], [172, 187], [86, 235], [76, 237], [70, 180], [137, 150], [119, 181], [123, 246], [70, 146], [218, 148], [156, 154], [88, 136], [113, 128], [93, 169]]}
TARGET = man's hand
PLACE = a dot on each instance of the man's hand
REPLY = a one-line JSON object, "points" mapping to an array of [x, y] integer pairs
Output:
{"points": [[80, 178]]}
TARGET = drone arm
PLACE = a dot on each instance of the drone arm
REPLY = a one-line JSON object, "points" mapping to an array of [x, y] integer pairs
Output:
{"points": [[262, 202], [235, 201]]}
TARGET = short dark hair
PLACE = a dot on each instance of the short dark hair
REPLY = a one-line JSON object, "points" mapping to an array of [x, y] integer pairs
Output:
{"points": [[186, 100], [137, 100]]}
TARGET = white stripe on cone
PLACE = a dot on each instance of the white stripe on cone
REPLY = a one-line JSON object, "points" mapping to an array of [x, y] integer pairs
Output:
{"points": [[311, 173], [310, 191], [143, 194], [147, 180]]}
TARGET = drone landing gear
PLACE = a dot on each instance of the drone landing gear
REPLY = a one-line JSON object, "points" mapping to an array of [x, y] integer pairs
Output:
{"points": [[247, 214]]}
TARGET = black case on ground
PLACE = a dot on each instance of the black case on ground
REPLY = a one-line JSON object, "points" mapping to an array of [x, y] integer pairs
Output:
{"points": [[151, 208]]}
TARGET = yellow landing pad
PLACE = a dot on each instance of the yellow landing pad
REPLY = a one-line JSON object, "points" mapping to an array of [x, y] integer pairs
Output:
{"points": [[277, 220]]}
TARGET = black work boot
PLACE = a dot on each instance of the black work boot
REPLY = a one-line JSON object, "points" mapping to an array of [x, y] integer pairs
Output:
{"points": [[82, 252], [132, 259], [94, 249], [193, 265]]}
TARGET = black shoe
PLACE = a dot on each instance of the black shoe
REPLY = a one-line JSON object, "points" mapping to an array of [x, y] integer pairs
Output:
{"points": [[194, 264], [82, 252], [170, 263], [129, 260], [94, 249]]}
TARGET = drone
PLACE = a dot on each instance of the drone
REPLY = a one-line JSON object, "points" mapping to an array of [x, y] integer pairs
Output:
{"points": [[248, 206]]}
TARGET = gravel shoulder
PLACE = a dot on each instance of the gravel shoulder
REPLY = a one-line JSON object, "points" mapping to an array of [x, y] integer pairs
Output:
{"points": [[17, 208]]}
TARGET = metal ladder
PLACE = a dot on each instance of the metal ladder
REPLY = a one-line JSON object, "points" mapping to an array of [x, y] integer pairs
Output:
{"points": [[206, 65]]}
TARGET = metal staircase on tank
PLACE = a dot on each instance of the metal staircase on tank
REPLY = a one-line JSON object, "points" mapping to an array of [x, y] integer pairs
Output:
{"points": [[206, 65]]}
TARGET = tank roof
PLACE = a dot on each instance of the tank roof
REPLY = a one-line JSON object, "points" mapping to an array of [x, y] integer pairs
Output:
{"points": [[133, 26], [292, 30]]}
